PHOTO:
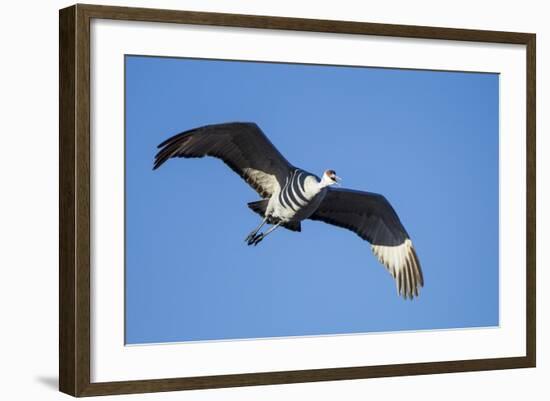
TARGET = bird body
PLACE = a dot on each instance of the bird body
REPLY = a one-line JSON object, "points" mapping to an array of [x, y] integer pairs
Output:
{"points": [[298, 199], [291, 195]]}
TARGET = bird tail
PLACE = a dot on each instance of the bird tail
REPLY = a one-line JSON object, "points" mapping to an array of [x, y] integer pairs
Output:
{"points": [[259, 206]]}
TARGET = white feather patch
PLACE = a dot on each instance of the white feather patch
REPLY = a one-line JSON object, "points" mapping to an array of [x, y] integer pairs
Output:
{"points": [[267, 181], [402, 263]]}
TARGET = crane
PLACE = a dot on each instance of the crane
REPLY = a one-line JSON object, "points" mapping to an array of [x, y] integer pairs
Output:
{"points": [[291, 195]]}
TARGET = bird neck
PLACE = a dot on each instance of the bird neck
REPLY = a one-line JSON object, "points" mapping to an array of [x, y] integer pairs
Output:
{"points": [[325, 182]]}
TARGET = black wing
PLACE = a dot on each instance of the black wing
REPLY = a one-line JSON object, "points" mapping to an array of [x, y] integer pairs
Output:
{"points": [[372, 217], [242, 146]]}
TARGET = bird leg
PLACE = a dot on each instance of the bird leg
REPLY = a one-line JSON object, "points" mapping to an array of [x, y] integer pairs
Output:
{"points": [[257, 238], [251, 236]]}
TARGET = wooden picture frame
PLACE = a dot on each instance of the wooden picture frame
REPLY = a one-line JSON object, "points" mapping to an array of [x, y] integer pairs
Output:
{"points": [[74, 200]]}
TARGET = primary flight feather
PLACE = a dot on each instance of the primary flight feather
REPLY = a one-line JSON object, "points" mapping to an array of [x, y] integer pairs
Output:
{"points": [[290, 195]]}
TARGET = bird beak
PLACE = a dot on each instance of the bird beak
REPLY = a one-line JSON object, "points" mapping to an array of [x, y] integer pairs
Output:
{"points": [[338, 180]]}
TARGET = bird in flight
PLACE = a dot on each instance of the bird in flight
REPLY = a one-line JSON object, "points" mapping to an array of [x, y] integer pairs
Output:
{"points": [[290, 195]]}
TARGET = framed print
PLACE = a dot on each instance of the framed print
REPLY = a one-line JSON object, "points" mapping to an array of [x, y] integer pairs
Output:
{"points": [[250, 200]]}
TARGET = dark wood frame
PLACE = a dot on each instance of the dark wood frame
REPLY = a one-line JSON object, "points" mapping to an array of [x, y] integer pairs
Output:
{"points": [[74, 200]]}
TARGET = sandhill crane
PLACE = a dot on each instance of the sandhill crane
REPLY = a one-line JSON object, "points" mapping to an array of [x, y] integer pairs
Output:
{"points": [[290, 195]]}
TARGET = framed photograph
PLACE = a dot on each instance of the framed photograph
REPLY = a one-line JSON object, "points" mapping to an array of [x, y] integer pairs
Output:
{"points": [[250, 200]]}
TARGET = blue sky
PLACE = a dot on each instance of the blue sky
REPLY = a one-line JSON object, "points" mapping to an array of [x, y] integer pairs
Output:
{"points": [[427, 140]]}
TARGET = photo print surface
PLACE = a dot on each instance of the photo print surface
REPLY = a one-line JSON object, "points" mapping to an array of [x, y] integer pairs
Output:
{"points": [[427, 141]]}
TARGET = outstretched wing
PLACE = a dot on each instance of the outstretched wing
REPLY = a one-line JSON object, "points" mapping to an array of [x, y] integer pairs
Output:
{"points": [[242, 146], [372, 217]]}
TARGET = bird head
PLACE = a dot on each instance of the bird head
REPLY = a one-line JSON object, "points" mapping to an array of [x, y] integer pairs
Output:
{"points": [[330, 178]]}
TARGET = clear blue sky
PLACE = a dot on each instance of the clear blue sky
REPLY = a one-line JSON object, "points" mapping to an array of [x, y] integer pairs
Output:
{"points": [[427, 140]]}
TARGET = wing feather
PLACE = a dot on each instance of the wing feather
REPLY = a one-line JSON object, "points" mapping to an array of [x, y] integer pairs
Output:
{"points": [[373, 218], [242, 146]]}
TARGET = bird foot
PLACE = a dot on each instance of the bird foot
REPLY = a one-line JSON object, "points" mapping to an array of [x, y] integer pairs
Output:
{"points": [[255, 239], [250, 237]]}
